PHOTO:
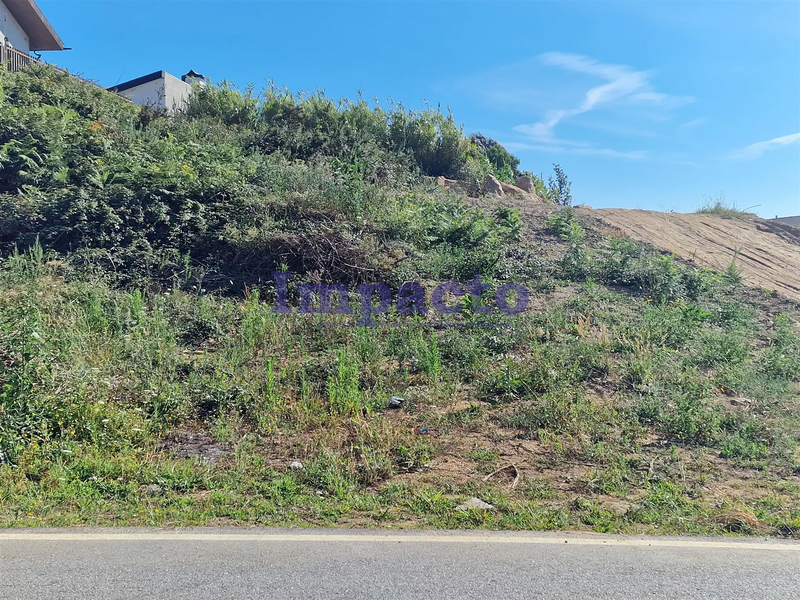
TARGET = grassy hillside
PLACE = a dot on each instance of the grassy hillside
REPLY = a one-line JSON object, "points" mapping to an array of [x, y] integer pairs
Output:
{"points": [[145, 378]]}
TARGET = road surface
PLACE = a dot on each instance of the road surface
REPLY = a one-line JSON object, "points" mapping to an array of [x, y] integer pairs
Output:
{"points": [[268, 563]]}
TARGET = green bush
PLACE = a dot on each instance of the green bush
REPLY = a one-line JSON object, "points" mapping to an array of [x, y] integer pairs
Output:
{"points": [[234, 186], [504, 165], [432, 139], [559, 188], [561, 223]]}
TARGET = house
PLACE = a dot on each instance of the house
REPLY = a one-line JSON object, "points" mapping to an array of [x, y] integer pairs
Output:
{"points": [[160, 89], [24, 29], [793, 221]]}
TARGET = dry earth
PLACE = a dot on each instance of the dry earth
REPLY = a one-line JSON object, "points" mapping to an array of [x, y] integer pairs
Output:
{"points": [[767, 253]]}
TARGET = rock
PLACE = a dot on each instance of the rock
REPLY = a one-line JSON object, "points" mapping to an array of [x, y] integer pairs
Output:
{"points": [[742, 401], [474, 504], [452, 185], [296, 465], [196, 445], [492, 186], [396, 402], [525, 183], [511, 190], [154, 489]]}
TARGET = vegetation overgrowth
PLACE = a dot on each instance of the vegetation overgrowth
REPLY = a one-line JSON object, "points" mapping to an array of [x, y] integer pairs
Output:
{"points": [[146, 380], [719, 205]]}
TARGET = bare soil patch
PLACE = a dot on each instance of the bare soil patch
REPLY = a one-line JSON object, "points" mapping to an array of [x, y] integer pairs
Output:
{"points": [[767, 254]]}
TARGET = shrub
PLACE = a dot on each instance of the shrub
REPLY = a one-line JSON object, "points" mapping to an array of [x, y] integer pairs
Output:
{"points": [[223, 103], [658, 276], [431, 138], [561, 223], [503, 163], [559, 188]]}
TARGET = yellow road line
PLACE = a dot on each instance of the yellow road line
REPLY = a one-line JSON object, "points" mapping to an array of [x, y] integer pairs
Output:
{"points": [[404, 538]]}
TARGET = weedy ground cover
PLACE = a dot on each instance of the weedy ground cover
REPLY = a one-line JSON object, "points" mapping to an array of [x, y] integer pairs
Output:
{"points": [[145, 378]]}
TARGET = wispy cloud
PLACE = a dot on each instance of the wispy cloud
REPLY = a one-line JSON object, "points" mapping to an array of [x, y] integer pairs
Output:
{"points": [[759, 148], [557, 93], [561, 149], [636, 154], [519, 147], [623, 85], [538, 132], [685, 128]]}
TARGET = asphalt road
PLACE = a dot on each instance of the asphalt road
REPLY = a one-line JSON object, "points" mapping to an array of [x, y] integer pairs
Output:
{"points": [[267, 563]]}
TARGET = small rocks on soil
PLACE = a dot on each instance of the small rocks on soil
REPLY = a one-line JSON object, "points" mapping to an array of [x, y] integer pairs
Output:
{"points": [[196, 445], [475, 504], [154, 489]]}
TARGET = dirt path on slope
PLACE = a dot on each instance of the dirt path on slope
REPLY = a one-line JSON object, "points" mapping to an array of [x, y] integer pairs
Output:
{"points": [[767, 253]]}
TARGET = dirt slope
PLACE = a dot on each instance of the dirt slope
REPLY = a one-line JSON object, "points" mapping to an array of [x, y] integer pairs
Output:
{"points": [[767, 253]]}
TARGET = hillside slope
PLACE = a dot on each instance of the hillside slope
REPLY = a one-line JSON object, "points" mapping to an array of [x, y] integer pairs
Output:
{"points": [[148, 377], [768, 254]]}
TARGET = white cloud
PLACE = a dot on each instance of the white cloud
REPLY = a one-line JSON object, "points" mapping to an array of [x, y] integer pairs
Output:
{"points": [[685, 128], [636, 154], [623, 85], [560, 149], [757, 149], [518, 147], [539, 132]]}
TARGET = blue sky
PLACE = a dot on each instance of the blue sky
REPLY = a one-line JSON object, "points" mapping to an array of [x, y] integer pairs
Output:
{"points": [[653, 105]]}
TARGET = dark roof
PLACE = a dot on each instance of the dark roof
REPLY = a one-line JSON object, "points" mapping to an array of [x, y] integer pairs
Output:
{"points": [[192, 75], [138, 81], [41, 35]]}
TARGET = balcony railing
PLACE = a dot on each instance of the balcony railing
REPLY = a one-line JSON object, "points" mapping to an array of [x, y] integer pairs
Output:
{"points": [[14, 60]]}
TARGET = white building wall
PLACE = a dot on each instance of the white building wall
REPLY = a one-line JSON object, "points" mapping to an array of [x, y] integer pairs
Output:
{"points": [[170, 93], [176, 93], [11, 31], [150, 93]]}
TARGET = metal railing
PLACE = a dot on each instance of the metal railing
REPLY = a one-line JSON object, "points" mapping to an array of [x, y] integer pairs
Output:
{"points": [[14, 60]]}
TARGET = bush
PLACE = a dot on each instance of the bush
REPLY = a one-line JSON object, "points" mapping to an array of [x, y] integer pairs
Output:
{"points": [[432, 139], [223, 103], [561, 223], [559, 188], [233, 187]]}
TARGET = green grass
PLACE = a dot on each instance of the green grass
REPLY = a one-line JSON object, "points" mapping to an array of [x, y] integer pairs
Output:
{"points": [[718, 205], [145, 379], [97, 382]]}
